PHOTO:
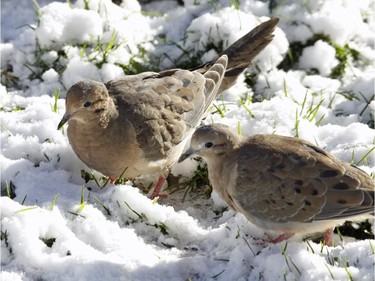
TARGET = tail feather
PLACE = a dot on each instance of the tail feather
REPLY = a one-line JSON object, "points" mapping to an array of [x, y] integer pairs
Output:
{"points": [[242, 52]]}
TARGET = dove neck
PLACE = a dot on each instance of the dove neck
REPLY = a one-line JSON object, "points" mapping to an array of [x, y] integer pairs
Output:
{"points": [[219, 183], [109, 115]]}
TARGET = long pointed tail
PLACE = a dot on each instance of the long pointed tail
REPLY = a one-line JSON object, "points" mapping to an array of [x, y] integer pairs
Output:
{"points": [[242, 52]]}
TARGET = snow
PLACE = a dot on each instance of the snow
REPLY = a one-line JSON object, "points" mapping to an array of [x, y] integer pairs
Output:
{"points": [[140, 239], [311, 58], [58, 24]]}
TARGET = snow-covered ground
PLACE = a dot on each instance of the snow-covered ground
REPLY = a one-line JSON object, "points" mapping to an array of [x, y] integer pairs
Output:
{"points": [[51, 230]]}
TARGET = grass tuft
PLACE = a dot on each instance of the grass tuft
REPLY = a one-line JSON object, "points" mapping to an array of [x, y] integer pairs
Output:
{"points": [[48, 241], [39, 65], [344, 54], [10, 189], [4, 235], [162, 227], [142, 218], [199, 179], [235, 4], [362, 231], [86, 176], [221, 109], [86, 3], [8, 79], [191, 56]]}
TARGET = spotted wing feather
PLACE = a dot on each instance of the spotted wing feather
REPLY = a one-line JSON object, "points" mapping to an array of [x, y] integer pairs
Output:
{"points": [[293, 180]]}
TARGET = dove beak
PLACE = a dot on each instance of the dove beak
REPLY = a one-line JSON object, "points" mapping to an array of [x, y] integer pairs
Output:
{"points": [[65, 119], [188, 153]]}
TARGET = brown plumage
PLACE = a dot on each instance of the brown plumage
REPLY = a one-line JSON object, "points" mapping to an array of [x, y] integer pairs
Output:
{"points": [[139, 124], [282, 183]]}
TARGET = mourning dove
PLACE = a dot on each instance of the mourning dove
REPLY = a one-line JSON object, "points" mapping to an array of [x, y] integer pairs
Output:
{"points": [[280, 183], [139, 124]]}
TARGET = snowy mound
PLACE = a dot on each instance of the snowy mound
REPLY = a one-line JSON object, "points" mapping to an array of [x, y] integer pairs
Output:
{"points": [[314, 81]]}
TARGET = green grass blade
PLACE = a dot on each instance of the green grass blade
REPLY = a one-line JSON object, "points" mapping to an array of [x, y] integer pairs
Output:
{"points": [[54, 202], [24, 199], [56, 95], [364, 156], [217, 275], [83, 194], [81, 207], [111, 42], [314, 111], [239, 129], [7, 189], [247, 109], [345, 265], [317, 123], [248, 245], [330, 272], [296, 125], [135, 212], [295, 266], [221, 112], [26, 209], [303, 103], [285, 88], [312, 250], [372, 247], [102, 204], [76, 214]]}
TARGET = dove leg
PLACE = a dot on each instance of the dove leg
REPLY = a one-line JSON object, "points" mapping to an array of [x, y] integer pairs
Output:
{"points": [[158, 187], [282, 237], [328, 237]]}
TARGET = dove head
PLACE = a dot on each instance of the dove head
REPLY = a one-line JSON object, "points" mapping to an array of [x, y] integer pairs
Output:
{"points": [[87, 100], [211, 141]]}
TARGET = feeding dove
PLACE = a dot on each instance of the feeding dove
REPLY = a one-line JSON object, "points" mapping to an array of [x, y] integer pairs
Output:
{"points": [[139, 124], [280, 183]]}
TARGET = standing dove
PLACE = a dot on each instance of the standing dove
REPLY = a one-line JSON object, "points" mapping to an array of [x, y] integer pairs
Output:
{"points": [[280, 183], [139, 124]]}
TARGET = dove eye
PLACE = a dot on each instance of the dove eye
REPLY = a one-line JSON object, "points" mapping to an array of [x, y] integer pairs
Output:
{"points": [[208, 144], [87, 104]]}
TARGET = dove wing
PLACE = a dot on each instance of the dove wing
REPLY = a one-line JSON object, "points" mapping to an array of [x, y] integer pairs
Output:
{"points": [[286, 179], [163, 108]]}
